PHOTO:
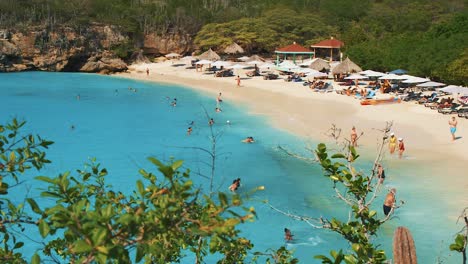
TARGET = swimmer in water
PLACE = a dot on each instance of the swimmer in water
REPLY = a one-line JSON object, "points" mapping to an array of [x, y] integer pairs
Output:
{"points": [[211, 122], [248, 140], [189, 131], [218, 109], [287, 235]]}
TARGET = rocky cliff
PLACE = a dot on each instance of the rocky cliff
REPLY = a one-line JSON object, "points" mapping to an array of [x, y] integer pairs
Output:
{"points": [[91, 49]]}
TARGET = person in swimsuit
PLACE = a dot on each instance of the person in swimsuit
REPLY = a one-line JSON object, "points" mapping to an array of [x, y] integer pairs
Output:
{"points": [[392, 143], [354, 137], [238, 79], [211, 122], [389, 201], [218, 99], [287, 235], [401, 147], [248, 140], [235, 185], [189, 131], [453, 127], [380, 173]]}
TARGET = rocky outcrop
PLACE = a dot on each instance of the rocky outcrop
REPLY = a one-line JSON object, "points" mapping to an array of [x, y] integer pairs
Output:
{"points": [[61, 49], [156, 44], [104, 63]]}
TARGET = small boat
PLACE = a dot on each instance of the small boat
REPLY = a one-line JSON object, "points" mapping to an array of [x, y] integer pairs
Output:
{"points": [[389, 100]]}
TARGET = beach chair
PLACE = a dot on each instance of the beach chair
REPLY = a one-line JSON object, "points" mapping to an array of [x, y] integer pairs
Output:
{"points": [[454, 108]]}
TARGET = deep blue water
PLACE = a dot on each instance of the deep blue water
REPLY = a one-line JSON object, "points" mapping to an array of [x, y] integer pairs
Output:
{"points": [[121, 128]]}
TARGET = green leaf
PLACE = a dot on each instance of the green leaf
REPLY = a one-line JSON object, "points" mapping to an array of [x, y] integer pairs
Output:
{"points": [[18, 245], [99, 236], [35, 259], [12, 156], [177, 164], [45, 179], [155, 162], [338, 156], [140, 253], [223, 198], [81, 246], [44, 228], [140, 187], [34, 206]]}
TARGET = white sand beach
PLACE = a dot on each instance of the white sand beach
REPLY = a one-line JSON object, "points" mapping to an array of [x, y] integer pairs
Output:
{"points": [[297, 109]]}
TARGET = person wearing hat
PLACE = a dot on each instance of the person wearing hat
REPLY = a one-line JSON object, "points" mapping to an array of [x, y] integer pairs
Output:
{"points": [[392, 143], [389, 201], [401, 147]]}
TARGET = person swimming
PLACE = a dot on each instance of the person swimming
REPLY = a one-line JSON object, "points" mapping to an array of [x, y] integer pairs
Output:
{"points": [[248, 140], [287, 235], [211, 122], [174, 102], [189, 131], [218, 109], [235, 185]]}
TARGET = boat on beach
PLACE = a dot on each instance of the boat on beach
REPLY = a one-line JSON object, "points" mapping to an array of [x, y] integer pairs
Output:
{"points": [[389, 100]]}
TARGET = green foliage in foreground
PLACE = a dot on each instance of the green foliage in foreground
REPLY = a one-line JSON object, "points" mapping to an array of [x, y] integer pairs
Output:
{"points": [[357, 191], [162, 220]]}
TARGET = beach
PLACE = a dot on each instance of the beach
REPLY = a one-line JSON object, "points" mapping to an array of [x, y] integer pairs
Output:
{"points": [[297, 109]]}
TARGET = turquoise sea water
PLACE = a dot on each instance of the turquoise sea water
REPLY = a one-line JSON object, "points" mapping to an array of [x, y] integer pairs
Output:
{"points": [[121, 128]]}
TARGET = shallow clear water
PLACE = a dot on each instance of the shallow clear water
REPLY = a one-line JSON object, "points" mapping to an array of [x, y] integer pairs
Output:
{"points": [[121, 128]]}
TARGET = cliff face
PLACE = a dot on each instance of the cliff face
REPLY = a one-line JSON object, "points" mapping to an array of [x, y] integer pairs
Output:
{"points": [[86, 50]]}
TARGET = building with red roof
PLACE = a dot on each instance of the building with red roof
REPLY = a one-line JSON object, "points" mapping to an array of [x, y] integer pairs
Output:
{"points": [[325, 47], [293, 49]]}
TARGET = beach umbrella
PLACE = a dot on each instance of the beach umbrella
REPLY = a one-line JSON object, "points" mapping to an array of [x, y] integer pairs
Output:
{"points": [[392, 77], [319, 64], [304, 70], [188, 58], [455, 90], [346, 66], [221, 63], [172, 55], [287, 64], [209, 55], [356, 77], [317, 74], [237, 66], [398, 71], [371, 73], [415, 80], [234, 48], [430, 84], [244, 58], [203, 62]]}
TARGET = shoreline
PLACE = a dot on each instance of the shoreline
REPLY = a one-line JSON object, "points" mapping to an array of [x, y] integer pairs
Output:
{"points": [[296, 109]]}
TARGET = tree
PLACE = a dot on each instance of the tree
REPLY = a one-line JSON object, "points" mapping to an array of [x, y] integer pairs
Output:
{"points": [[18, 154], [161, 220], [358, 191], [461, 239]]}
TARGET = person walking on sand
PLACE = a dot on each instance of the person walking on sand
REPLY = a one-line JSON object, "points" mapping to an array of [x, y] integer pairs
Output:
{"points": [[389, 201], [401, 147], [453, 127], [147, 72], [238, 79], [354, 137], [392, 143]]}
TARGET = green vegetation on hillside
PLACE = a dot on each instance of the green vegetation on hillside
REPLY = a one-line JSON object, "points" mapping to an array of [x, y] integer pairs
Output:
{"points": [[427, 37]]}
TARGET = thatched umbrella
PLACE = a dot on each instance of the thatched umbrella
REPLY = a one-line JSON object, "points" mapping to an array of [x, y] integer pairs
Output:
{"points": [[319, 64], [256, 58], [233, 49], [347, 66], [209, 55]]}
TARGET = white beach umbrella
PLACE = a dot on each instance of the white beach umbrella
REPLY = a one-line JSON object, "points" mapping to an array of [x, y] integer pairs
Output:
{"points": [[317, 74], [371, 73], [237, 66], [304, 70], [392, 77], [356, 77], [221, 63], [455, 90], [287, 64], [430, 84], [416, 80], [203, 62], [244, 58]]}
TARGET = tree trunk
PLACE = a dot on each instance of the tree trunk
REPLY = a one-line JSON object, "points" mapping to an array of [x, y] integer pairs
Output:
{"points": [[404, 251]]}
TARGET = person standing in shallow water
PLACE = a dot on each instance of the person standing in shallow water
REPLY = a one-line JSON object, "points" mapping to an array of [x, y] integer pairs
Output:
{"points": [[380, 173], [453, 127], [389, 201], [287, 235], [238, 80], [392, 142], [401, 147]]}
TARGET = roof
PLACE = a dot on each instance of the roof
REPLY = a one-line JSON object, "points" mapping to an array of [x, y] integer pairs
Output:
{"points": [[233, 49], [294, 48], [329, 44], [209, 55], [347, 66]]}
